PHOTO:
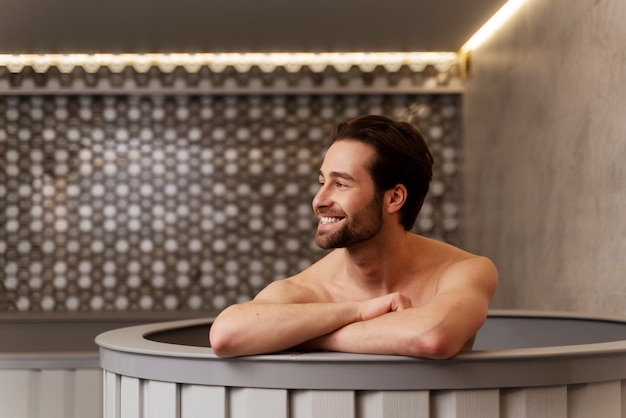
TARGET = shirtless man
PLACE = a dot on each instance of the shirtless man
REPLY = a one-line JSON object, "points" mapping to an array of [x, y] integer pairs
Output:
{"points": [[383, 289]]}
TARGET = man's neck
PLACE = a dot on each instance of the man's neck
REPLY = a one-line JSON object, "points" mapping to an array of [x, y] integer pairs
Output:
{"points": [[378, 265]]}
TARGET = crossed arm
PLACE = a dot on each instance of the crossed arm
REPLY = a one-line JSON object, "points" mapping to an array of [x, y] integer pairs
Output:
{"points": [[285, 315]]}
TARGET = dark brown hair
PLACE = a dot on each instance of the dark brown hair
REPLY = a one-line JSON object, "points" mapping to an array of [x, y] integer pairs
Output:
{"points": [[402, 157]]}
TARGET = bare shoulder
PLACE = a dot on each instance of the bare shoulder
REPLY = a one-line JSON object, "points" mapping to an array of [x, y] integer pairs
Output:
{"points": [[477, 268], [461, 269], [470, 272], [308, 286]]}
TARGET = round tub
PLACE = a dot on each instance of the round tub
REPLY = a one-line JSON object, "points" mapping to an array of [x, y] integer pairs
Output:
{"points": [[525, 364]]}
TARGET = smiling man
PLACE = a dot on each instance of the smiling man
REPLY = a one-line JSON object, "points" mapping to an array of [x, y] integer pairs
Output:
{"points": [[383, 289]]}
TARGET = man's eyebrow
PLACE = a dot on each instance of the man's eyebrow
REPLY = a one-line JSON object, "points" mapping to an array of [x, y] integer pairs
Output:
{"points": [[337, 174]]}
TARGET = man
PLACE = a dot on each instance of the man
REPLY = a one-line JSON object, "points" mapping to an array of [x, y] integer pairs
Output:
{"points": [[382, 290]]}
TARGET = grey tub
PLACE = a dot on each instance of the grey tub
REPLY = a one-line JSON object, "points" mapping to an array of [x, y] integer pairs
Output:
{"points": [[526, 364]]}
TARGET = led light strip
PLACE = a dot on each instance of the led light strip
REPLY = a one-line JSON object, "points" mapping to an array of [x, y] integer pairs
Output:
{"points": [[492, 25], [267, 62]]}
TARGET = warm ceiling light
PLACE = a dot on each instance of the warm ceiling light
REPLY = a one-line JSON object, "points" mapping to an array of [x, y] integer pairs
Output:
{"points": [[495, 22], [267, 62]]}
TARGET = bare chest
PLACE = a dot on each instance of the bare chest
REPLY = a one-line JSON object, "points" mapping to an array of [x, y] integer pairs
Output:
{"points": [[419, 290]]}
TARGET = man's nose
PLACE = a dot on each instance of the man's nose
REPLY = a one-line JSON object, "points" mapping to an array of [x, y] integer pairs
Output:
{"points": [[321, 198]]}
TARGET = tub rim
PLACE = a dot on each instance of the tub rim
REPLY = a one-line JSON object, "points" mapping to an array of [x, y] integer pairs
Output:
{"points": [[126, 351]]}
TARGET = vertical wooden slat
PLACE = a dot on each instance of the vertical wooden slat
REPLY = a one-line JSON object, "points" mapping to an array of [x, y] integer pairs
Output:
{"points": [[623, 398], [130, 398], [111, 395], [397, 404], [198, 401], [160, 399], [18, 393], [258, 403], [322, 404], [540, 402], [87, 393], [466, 404], [595, 400], [56, 393]]}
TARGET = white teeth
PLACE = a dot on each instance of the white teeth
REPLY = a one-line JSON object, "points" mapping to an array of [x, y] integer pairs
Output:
{"points": [[327, 220]]}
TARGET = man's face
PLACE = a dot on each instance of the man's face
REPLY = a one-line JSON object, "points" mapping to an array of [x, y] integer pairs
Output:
{"points": [[347, 208]]}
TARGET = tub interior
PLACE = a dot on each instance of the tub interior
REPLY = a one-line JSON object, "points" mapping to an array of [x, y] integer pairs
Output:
{"points": [[504, 332], [498, 332], [196, 335]]}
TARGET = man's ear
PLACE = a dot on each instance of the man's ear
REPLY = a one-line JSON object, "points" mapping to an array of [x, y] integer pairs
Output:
{"points": [[396, 198]]}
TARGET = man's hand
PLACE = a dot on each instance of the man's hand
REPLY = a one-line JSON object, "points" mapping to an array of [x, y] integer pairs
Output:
{"points": [[367, 309], [372, 308]]}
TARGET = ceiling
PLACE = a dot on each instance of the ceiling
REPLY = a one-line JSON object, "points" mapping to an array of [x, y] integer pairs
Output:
{"points": [[141, 26]]}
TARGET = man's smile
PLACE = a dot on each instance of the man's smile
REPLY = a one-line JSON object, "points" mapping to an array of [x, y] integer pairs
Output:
{"points": [[325, 220]]}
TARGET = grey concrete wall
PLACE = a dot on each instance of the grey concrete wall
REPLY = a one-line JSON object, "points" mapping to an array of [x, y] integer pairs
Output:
{"points": [[544, 155]]}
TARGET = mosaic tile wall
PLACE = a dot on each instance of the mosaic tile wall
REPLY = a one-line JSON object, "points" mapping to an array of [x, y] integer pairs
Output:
{"points": [[180, 202]]}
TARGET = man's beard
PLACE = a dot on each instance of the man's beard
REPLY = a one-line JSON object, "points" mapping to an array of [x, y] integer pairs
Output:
{"points": [[362, 226]]}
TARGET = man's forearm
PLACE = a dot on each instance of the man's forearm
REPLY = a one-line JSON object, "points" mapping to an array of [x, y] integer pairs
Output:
{"points": [[254, 327], [395, 333], [362, 337]]}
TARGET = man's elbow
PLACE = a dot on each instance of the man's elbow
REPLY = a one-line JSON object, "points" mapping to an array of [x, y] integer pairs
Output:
{"points": [[434, 346], [221, 342]]}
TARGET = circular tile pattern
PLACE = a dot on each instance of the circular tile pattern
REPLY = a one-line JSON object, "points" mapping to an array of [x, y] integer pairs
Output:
{"points": [[180, 202]]}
